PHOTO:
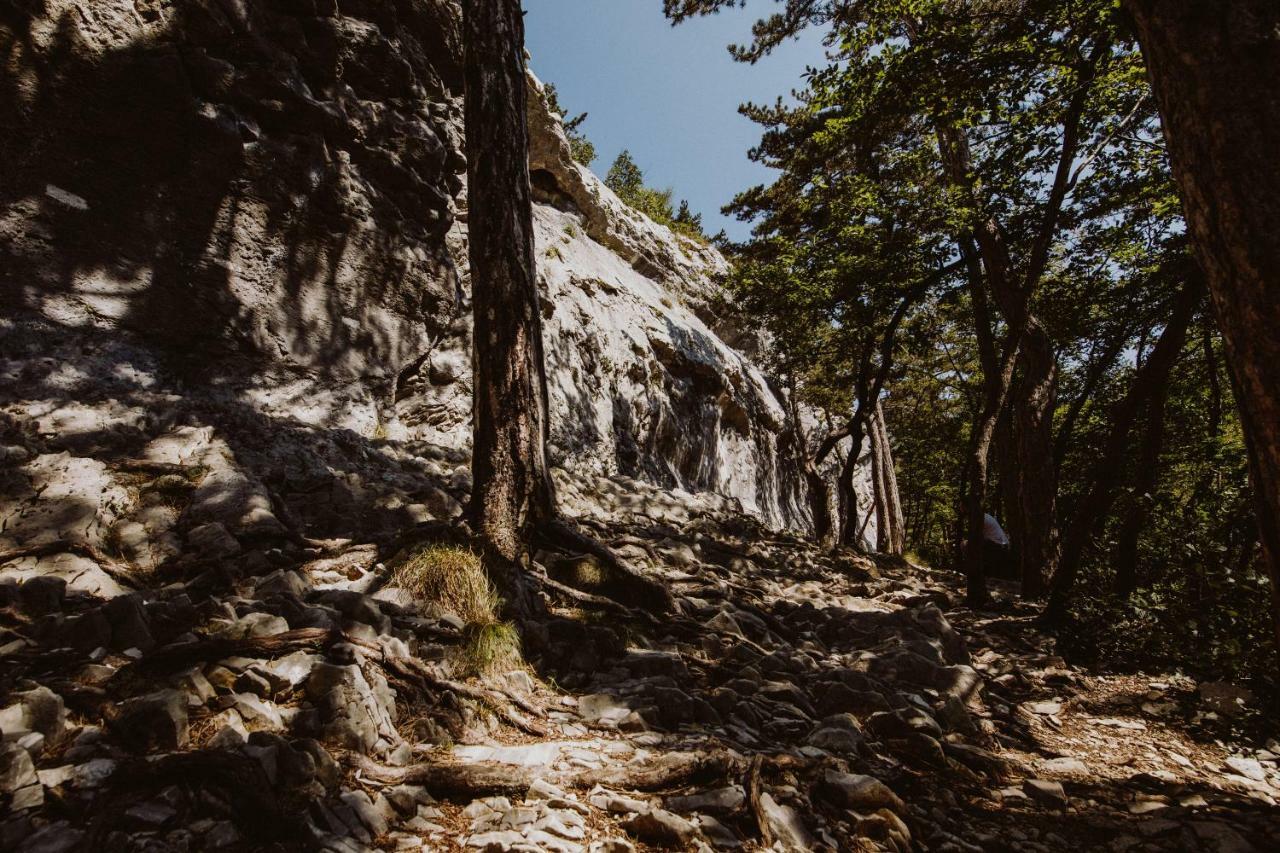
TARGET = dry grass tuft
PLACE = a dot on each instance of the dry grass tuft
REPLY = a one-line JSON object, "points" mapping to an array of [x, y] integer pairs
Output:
{"points": [[491, 649], [451, 577]]}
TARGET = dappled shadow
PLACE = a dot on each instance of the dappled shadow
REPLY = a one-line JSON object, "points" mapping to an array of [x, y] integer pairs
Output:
{"points": [[206, 174]]}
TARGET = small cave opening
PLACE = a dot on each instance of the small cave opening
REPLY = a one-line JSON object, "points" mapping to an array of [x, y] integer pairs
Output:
{"points": [[546, 190]]}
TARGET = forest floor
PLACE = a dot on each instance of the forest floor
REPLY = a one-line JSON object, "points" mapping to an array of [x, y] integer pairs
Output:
{"points": [[202, 647], [796, 700]]}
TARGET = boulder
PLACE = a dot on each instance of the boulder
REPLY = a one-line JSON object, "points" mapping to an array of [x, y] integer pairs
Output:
{"points": [[157, 720], [662, 829], [859, 793], [355, 713]]}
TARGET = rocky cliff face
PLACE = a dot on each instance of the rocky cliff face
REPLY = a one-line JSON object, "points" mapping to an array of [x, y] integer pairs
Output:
{"points": [[239, 229]]}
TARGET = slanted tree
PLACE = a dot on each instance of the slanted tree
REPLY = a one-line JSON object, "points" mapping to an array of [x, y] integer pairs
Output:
{"points": [[1147, 384], [1214, 68]]}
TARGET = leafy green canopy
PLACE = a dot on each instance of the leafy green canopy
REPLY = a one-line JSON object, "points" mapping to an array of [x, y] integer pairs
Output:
{"points": [[932, 121]]}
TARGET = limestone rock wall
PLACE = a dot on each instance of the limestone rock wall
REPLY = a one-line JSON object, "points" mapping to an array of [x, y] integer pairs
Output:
{"points": [[249, 220]]}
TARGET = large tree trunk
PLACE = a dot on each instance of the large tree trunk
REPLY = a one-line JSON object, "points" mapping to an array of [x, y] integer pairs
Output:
{"points": [[511, 484], [1214, 67], [821, 504], [1031, 510], [890, 522], [1153, 373]]}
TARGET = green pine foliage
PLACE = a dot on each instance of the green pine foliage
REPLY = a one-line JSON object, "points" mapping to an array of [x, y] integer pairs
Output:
{"points": [[869, 224], [627, 180], [580, 147]]}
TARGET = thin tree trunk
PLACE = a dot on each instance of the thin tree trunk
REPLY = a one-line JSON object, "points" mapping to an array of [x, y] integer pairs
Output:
{"points": [[1034, 491], [879, 496], [820, 498], [1095, 505], [1093, 378], [1212, 377], [1214, 68], [897, 515], [512, 488], [890, 520], [1139, 507], [850, 528]]}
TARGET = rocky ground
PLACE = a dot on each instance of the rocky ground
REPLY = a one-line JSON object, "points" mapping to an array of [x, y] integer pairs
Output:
{"points": [[262, 690], [204, 645]]}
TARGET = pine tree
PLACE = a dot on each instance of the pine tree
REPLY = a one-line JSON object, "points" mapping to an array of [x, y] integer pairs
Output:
{"points": [[512, 491], [512, 497]]}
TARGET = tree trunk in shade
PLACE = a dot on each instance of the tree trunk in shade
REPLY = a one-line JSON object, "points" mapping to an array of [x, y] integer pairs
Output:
{"points": [[512, 488], [1031, 510], [1153, 373], [1138, 507], [1214, 67]]}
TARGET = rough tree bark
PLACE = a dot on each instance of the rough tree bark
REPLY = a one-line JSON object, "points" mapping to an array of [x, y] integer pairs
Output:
{"points": [[512, 488], [1214, 68], [1094, 506], [512, 498]]}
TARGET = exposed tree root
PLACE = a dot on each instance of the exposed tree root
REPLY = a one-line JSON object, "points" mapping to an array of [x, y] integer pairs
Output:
{"points": [[157, 469], [450, 780], [173, 658], [590, 599], [668, 771], [500, 701], [470, 780], [754, 793], [648, 593], [117, 570]]}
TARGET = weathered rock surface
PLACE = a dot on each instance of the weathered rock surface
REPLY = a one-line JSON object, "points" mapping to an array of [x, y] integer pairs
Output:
{"points": [[288, 221]]}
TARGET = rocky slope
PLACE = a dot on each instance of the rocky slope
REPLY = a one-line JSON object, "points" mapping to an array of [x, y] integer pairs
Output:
{"points": [[298, 699]]}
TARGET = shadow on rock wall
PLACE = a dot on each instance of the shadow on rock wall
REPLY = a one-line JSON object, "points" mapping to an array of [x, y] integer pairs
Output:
{"points": [[267, 179]]}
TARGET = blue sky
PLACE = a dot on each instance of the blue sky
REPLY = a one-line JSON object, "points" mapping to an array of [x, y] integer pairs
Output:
{"points": [[669, 95]]}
